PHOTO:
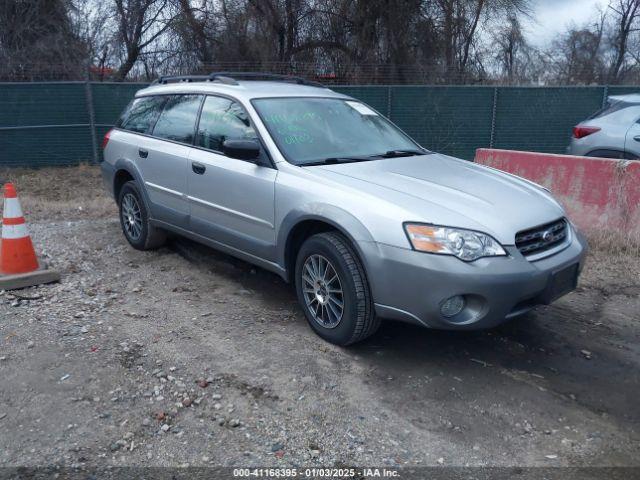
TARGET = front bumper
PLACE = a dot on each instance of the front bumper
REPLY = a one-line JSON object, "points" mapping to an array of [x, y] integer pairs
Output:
{"points": [[411, 286]]}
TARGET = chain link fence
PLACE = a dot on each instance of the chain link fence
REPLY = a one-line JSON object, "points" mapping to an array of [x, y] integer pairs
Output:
{"points": [[327, 72], [62, 123]]}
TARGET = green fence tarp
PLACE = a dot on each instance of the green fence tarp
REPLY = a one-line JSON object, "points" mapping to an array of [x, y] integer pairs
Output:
{"points": [[44, 124], [540, 119], [52, 123]]}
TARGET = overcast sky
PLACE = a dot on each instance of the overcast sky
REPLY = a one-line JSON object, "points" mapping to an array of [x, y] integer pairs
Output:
{"points": [[551, 17]]}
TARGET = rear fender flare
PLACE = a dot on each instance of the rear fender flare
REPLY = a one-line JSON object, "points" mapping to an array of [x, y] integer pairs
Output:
{"points": [[131, 168]]}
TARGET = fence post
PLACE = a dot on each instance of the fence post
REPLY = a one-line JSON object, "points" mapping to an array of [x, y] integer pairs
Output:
{"points": [[493, 117], [389, 103], [92, 119], [605, 95]]}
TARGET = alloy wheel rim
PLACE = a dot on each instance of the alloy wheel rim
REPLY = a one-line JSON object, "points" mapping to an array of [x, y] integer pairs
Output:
{"points": [[131, 216], [322, 291]]}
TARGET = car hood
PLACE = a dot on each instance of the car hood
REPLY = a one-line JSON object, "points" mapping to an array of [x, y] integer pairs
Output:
{"points": [[443, 190]]}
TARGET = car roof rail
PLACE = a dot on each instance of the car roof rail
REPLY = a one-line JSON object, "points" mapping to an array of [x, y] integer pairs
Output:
{"points": [[231, 78], [235, 76], [179, 78]]}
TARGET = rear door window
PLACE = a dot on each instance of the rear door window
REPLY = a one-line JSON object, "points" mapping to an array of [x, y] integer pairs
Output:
{"points": [[609, 108], [177, 121], [222, 119], [141, 114]]}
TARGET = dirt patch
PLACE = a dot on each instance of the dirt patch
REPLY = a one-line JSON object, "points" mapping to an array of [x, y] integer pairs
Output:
{"points": [[185, 356]]}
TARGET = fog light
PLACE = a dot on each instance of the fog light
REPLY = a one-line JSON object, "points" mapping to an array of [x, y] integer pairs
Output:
{"points": [[452, 306]]}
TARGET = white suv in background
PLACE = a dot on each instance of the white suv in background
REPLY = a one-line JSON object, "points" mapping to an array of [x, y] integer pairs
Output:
{"points": [[611, 132]]}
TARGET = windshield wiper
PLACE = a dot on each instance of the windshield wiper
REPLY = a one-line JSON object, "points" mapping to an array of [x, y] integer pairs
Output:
{"points": [[336, 160], [402, 153], [365, 158]]}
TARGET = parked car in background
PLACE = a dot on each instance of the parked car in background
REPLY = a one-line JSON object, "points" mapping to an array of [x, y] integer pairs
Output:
{"points": [[321, 189], [611, 132]]}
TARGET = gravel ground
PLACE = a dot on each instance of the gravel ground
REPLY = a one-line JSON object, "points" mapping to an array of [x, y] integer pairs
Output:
{"points": [[185, 356]]}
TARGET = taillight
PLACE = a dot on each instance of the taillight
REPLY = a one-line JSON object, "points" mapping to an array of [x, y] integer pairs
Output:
{"points": [[581, 132], [105, 140]]}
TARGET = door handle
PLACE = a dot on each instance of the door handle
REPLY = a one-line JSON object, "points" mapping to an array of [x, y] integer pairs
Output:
{"points": [[637, 138], [198, 168], [143, 153]]}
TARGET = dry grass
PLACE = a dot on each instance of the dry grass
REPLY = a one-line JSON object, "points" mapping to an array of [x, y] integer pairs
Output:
{"points": [[60, 192], [616, 243], [615, 256]]}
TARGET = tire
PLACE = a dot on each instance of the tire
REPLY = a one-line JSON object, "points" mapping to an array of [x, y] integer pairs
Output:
{"points": [[357, 320], [134, 220]]}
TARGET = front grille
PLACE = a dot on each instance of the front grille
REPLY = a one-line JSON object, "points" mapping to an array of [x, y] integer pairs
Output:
{"points": [[540, 239]]}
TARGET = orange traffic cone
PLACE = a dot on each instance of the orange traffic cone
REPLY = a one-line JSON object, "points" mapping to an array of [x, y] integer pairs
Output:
{"points": [[19, 266], [17, 254]]}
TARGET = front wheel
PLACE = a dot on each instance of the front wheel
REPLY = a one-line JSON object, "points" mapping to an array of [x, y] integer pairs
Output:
{"points": [[333, 291]]}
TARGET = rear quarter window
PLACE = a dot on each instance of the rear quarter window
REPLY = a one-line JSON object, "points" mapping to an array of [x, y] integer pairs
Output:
{"points": [[141, 114]]}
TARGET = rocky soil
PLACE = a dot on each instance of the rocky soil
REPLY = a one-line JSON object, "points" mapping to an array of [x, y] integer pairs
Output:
{"points": [[185, 356]]}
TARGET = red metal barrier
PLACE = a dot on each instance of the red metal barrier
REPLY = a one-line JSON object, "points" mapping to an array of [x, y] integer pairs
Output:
{"points": [[596, 192]]}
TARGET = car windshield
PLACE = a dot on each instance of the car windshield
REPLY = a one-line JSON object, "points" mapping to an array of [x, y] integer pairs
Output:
{"points": [[331, 130]]}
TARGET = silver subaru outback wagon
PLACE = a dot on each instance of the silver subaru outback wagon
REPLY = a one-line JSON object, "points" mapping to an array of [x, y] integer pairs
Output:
{"points": [[326, 192]]}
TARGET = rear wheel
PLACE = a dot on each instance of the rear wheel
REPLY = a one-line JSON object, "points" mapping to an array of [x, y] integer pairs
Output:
{"points": [[134, 219], [333, 291]]}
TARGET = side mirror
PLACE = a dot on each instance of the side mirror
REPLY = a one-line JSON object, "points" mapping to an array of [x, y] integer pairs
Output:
{"points": [[248, 150]]}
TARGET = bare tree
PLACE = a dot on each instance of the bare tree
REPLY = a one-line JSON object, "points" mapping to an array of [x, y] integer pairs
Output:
{"points": [[577, 57], [368, 41], [140, 23], [288, 24], [626, 14], [511, 51], [197, 27], [459, 22], [94, 24], [37, 40]]}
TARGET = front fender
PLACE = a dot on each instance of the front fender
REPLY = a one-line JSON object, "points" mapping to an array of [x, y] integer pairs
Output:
{"points": [[350, 226]]}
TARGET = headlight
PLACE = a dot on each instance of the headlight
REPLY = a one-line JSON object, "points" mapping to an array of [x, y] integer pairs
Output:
{"points": [[467, 245]]}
